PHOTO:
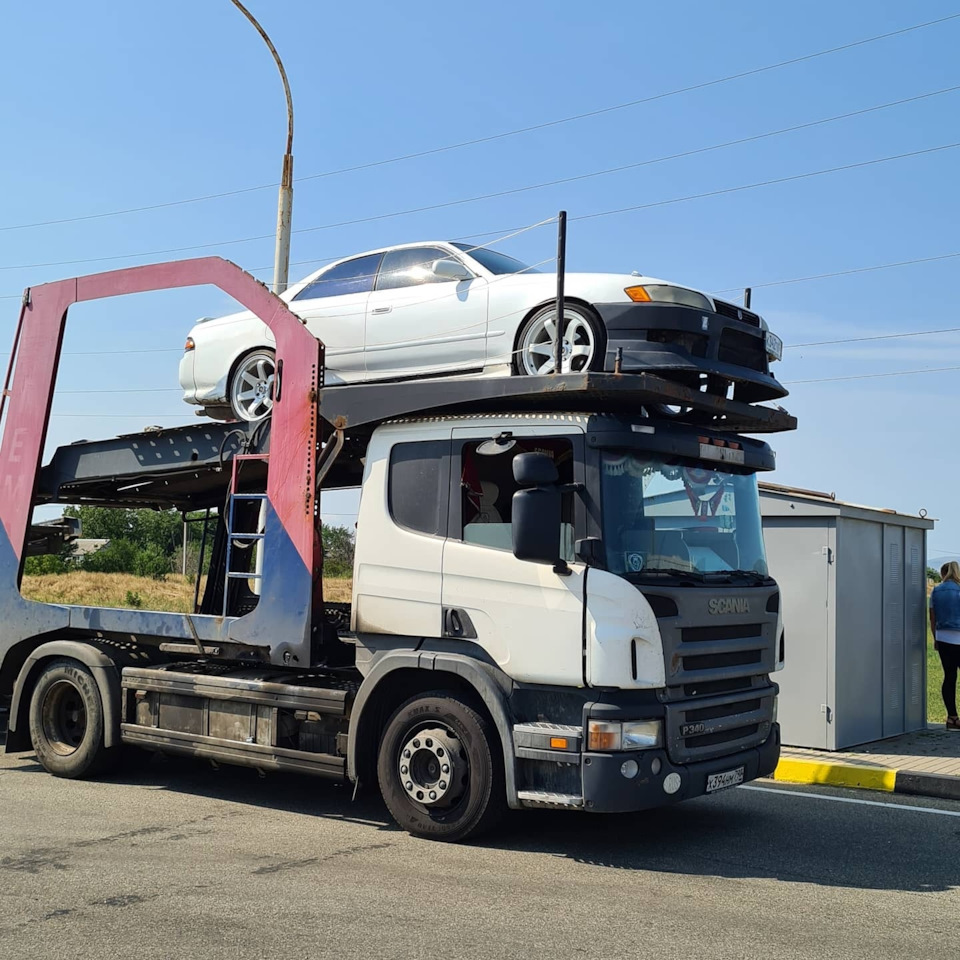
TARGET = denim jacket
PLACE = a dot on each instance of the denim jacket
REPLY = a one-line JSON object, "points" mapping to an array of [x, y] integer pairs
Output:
{"points": [[945, 601]]}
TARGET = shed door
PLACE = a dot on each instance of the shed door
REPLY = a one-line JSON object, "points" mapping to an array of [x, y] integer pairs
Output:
{"points": [[893, 632], [798, 553], [915, 640]]}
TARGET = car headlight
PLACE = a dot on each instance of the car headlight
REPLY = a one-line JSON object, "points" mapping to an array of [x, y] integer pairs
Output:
{"points": [[665, 293], [606, 737]]}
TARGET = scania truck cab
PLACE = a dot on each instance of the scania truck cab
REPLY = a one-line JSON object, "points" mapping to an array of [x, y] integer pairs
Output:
{"points": [[608, 570], [559, 596]]}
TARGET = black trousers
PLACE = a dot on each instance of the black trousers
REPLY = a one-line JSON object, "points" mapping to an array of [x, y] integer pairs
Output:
{"points": [[950, 659]]}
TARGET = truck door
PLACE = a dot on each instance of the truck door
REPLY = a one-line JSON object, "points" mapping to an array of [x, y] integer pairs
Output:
{"points": [[528, 618]]}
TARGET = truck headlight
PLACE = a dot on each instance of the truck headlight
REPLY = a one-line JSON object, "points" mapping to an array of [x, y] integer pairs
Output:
{"points": [[607, 737], [642, 735]]}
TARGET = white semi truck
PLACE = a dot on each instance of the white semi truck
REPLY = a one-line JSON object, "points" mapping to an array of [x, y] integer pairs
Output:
{"points": [[560, 596]]}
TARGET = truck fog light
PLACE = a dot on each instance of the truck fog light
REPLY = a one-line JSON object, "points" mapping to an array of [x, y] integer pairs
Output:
{"points": [[655, 766], [671, 783], [630, 768]]}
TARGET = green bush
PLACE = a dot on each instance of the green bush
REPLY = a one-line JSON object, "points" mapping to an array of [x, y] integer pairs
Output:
{"points": [[118, 556], [48, 563]]}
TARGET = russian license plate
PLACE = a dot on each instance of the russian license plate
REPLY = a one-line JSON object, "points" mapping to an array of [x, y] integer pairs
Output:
{"points": [[774, 345], [729, 778]]}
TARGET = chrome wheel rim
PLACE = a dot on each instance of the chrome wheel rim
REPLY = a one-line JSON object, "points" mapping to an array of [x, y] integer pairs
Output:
{"points": [[433, 768], [251, 394], [538, 349], [63, 718]]}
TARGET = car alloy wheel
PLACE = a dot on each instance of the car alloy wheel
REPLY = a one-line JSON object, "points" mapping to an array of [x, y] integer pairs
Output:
{"points": [[536, 355], [251, 391]]}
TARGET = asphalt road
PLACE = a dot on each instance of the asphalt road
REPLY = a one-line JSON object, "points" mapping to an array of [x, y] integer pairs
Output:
{"points": [[174, 859]]}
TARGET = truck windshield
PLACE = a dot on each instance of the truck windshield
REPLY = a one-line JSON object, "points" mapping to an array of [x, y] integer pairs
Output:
{"points": [[678, 516]]}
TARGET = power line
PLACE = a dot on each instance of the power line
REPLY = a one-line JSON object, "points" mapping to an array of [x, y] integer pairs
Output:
{"points": [[587, 216], [843, 273], [504, 135], [765, 183], [873, 376], [884, 336]]}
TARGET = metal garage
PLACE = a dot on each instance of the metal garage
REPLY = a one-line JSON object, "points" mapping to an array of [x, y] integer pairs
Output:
{"points": [[853, 585]]}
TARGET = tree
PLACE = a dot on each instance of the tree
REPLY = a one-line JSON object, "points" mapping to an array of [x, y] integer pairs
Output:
{"points": [[933, 575], [338, 549]]}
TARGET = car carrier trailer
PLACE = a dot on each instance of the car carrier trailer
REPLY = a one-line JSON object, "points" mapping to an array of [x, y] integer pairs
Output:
{"points": [[560, 597]]}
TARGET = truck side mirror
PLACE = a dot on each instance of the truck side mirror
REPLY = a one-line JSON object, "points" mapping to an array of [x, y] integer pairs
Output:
{"points": [[536, 525], [536, 511], [534, 470]]}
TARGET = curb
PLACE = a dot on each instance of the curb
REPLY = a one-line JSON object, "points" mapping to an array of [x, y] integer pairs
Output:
{"points": [[884, 779]]}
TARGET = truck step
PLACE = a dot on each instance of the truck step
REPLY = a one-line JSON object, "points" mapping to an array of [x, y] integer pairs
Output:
{"points": [[543, 798]]}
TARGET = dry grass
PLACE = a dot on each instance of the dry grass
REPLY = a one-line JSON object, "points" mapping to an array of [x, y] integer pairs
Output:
{"points": [[116, 590]]}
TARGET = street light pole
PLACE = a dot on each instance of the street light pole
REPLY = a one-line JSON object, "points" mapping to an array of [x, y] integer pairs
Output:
{"points": [[281, 257]]}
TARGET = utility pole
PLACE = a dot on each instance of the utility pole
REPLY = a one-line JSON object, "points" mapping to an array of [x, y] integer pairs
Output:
{"points": [[281, 257]]}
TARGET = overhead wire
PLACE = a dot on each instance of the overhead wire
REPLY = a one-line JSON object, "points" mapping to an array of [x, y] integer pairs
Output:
{"points": [[873, 376], [689, 88], [581, 217], [882, 336], [842, 273]]}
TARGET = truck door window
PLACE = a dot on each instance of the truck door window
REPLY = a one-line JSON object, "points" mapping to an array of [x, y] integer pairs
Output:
{"points": [[417, 489], [487, 488]]}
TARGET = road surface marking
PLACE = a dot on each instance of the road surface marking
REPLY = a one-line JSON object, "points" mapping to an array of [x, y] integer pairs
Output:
{"points": [[866, 803]]}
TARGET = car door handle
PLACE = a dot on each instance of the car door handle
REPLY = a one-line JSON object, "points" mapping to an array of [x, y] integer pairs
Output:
{"points": [[381, 309]]}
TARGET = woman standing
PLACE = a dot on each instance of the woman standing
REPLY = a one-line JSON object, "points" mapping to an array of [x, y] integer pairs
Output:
{"points": [[945, 625]]}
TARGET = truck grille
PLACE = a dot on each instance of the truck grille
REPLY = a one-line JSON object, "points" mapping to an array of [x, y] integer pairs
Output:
{"points": [[705, 728], [723, 652]]}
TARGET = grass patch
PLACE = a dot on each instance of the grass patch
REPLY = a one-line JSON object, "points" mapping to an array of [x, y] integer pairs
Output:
{"points": [[174, 594]]}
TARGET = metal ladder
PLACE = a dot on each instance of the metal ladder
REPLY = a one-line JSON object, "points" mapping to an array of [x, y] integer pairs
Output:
{"points": [[233, 535]]}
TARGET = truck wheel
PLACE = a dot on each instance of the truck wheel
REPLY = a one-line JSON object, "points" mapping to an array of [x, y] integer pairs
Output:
{"points": [[439, 768], [66, 721]]}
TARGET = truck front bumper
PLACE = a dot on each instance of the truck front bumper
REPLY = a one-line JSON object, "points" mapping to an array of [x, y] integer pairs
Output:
{"points": [[607, 790]]}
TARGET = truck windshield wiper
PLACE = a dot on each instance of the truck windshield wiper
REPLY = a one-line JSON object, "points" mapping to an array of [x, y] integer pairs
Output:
{"points": [[668, 572], [751, 575]]}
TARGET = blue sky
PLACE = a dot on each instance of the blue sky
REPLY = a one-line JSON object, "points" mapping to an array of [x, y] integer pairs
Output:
{"points": [[108, 106]]}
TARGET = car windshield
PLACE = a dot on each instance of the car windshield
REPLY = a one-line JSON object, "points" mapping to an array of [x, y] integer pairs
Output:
{"points": [[493, 261], [679, 517]]}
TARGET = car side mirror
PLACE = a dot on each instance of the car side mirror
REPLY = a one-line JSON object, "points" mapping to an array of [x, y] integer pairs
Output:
{"points": [[450, 270]]}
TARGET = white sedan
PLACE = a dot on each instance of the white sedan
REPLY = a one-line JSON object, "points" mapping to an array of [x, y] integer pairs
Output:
{"points": [[441, 308]]}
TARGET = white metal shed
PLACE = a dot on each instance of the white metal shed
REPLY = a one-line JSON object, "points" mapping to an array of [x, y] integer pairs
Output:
{"points": [[853, 596]]}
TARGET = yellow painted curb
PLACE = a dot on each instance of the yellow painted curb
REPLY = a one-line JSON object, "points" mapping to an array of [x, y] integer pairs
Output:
{"points": [[836, 774]]}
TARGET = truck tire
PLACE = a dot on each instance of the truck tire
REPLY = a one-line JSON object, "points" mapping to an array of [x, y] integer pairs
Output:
{"points": [[66, 721], [440, 770]]}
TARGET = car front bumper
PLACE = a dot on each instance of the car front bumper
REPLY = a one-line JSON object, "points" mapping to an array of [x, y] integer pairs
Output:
{"points": [[679, 341]]}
